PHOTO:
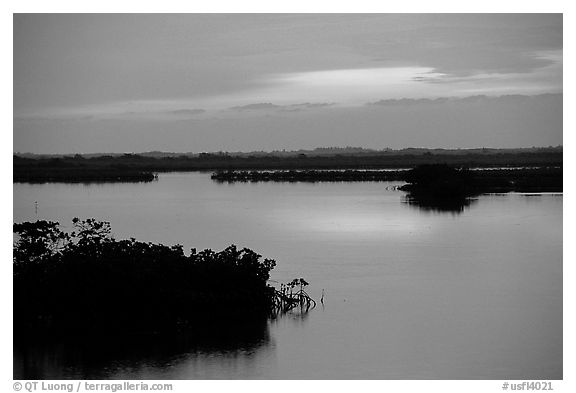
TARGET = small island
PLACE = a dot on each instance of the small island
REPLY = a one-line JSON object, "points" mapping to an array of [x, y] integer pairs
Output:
{"points": [[442, 180], [86, 281]]}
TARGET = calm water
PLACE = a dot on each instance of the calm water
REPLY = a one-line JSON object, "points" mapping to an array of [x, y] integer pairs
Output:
{"points": [[410, 293]]}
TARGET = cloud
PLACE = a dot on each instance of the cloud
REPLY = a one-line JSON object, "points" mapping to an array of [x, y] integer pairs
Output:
{"points": [[360, 85], [409, 101], [546, 78], [235, 60], [476, 99], [255, 107], [186, 112], [306, 106], [269, 107], [507, 121]]}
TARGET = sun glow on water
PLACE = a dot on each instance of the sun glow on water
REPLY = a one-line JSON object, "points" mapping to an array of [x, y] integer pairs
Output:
{"points": [[334, 221]]}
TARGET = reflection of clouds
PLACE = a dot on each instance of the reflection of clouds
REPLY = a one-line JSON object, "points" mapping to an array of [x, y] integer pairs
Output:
{"points": [[348, 220], [343, 223]]}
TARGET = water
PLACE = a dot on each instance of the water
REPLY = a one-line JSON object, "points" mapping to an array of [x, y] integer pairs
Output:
{"points": [[410, 292]]}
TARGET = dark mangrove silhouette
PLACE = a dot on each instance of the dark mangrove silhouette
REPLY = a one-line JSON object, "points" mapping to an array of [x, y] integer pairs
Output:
{"points": [[444, 188], [439, 188], [438, 180], [442, 180], [76, 169], [86, 281], [312, 176], [435, 187]]}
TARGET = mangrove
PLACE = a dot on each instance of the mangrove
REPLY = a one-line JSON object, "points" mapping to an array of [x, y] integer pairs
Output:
{"points": [[348, 175], [439, 180], [87, 281]]}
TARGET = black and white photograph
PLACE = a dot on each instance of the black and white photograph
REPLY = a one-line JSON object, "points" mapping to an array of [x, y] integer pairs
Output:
{"points": [[287, 196]]}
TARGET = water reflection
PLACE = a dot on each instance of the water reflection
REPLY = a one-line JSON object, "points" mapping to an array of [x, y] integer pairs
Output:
{"points": [[298, 315], [136, 355], [411, 294], [454, 205]]}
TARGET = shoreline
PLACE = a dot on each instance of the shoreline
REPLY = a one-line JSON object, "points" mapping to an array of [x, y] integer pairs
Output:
{"points": [[140, 168]]}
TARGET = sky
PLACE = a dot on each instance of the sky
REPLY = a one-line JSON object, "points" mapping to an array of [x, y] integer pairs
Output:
{"points": [[243, 82]]}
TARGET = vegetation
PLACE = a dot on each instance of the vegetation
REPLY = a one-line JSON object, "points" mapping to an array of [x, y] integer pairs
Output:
{"points": [[447, 181], [293, 295], [446, 188], [438, 180], [306, 176], [75, 170], [88, 281], [134, 167], [439, 188]]}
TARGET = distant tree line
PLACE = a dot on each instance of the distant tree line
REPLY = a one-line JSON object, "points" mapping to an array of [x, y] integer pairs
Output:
{"points": [[134, 167]]}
